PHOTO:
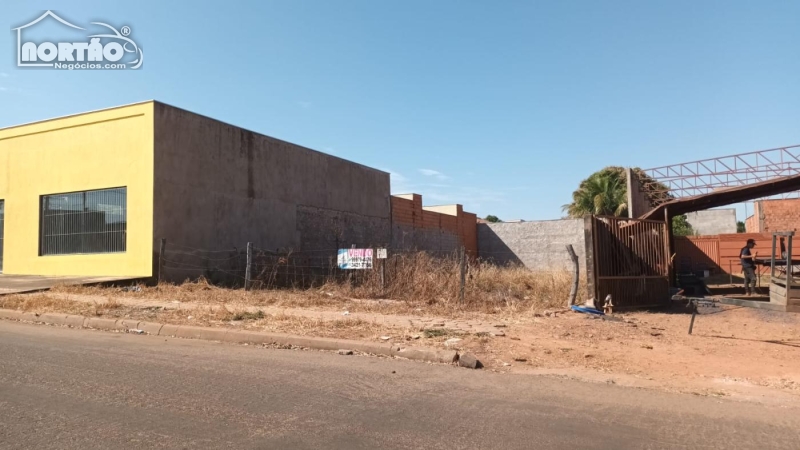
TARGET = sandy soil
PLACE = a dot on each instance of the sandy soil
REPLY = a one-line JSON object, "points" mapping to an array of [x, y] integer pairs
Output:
{"points": [[733, 351]]}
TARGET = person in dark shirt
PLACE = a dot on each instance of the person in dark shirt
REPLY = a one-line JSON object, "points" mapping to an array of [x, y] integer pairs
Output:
{"points": [[749, 267]]}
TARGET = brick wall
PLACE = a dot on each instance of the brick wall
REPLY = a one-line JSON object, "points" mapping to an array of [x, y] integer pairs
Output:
{"points": [[415, 228], [638, 203], [775, 215], [751, 224]]}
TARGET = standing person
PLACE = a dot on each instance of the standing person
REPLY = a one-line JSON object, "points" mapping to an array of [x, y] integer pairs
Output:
{"points": [[749, 267]]}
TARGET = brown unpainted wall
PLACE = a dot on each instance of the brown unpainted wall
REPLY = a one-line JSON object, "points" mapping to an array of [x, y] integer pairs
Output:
{"points": [[751, 224], [638, 204], [414, 228], [774, 215], [217, 187]]}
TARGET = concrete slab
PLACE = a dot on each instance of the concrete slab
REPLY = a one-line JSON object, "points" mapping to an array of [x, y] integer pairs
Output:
{"points": [[17, 284], [752, 304]]}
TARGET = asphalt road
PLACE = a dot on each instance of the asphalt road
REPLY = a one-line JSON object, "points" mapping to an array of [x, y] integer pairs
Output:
{"points": [[69, 389]]}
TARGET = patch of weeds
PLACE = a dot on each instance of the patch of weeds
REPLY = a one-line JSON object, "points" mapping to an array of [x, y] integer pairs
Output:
{"points": [[437, 332], [482, 334], [247, 315]]}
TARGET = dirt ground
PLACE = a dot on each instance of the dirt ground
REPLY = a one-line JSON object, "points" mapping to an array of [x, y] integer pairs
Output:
{"points": [[733, 351]]}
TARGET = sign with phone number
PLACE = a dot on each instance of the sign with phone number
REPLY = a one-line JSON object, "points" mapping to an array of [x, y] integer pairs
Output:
{"points": [[355, 258]]}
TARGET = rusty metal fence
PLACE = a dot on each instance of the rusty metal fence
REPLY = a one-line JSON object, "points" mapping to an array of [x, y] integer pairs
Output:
{"points": [[630, 261]]}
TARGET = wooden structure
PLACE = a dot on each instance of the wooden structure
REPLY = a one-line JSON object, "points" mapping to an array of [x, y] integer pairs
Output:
{"points": [[784, 286], [628, 259], [784, 290]]}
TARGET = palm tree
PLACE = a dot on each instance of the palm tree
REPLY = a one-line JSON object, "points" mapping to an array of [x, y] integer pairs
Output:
{"points": [[603, 194]]}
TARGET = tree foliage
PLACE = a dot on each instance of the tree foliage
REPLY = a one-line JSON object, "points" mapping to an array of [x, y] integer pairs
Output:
{"points": [[605, 193], [491, 219], [740, 227], [681, 226]]}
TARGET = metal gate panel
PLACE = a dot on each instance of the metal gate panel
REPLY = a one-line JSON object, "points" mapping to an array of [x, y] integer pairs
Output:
{"points": [[631, 261]]}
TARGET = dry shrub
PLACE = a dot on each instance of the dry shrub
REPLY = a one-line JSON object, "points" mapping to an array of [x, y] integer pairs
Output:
{"points": [[436, 281], [30, 302], [420, 281], [41, 303]]}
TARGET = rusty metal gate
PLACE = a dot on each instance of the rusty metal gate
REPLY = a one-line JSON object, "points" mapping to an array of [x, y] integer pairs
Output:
{"points": [[630, 261]]}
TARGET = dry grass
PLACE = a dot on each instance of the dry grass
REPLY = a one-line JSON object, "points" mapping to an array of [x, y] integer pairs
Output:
{"points": [[43, 303], [209, 316], [415, 284], [422, 279]]}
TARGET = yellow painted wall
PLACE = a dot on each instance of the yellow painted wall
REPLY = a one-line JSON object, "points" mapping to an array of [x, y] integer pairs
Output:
{"points": [[99, 150], [450, 210]]}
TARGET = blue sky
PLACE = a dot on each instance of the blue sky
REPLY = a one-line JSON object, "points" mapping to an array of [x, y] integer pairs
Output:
{"points": [[501, 106]]}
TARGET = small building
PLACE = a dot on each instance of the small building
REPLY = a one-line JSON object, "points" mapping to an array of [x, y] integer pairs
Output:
{"points": [[774, 215], [93, 194], [440, 230]]}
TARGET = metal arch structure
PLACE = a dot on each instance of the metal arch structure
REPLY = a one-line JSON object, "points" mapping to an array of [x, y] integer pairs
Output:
{"points": [[708, 175]]}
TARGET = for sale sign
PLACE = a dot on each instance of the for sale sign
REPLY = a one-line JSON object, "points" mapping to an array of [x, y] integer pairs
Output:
{"points": [[355, 258]]}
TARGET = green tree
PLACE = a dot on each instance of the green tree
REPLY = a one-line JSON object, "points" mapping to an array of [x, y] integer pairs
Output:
{"points": [[605, 192], [491, 219], [740, 227], [681, 227], [601, 194]]}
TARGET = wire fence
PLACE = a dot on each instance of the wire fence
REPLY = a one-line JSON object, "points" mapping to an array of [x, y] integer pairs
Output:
{"points": [[252, 267], [457, 277]]}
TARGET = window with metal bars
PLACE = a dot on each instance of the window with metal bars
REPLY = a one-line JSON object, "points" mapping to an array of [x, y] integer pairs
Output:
{"points": [[84, 222]]}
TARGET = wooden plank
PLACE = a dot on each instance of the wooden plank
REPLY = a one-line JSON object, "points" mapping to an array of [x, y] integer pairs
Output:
{"points": [[752, 304], [635, 277], [776, 297]]}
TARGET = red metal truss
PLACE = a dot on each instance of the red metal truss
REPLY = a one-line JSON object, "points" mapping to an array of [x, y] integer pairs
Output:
{"points": [[707, 175]]}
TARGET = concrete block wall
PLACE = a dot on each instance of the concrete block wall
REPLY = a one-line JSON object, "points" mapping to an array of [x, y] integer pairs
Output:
{"points": [[774, 215], [436, 229], [537, 245], [326, 230], [713, 221], [217, 187]]}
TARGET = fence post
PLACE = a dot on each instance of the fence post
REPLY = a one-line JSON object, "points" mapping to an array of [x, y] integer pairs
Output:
{"points": [[383, 276], [248, 269], [351, 277], [573, 293], [463, 274], [161, 249]]}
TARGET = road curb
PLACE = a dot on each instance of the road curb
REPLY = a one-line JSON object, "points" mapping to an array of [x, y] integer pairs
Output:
{"points": [[235, 336]]}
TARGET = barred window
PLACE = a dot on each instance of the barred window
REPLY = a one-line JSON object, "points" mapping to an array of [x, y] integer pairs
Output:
{"points": [[84, 222]]}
